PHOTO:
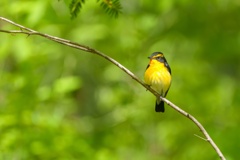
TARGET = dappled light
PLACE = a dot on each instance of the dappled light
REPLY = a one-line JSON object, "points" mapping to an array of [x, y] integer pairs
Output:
{"points": [[57, 102]]}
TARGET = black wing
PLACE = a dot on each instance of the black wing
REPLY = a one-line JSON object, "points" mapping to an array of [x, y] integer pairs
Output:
{"points": [[168, 67], [147, 66]]}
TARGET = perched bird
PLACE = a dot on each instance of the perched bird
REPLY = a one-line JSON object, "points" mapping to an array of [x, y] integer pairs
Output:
{"points": [[158, 77]]}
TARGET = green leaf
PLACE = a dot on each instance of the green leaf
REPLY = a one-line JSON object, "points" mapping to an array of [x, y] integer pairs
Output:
{"points": [[111, 7], [75, 7]]}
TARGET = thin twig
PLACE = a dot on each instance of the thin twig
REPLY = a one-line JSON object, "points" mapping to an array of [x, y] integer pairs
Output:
{"points": [[200, 137], [199, 125], [28, 31]]}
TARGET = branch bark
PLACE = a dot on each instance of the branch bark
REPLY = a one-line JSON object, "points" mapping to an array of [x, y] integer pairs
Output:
{"points": [[29, 32]]}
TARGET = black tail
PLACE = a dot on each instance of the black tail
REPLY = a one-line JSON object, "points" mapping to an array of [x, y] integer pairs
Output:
{"points": [[159, 107]]}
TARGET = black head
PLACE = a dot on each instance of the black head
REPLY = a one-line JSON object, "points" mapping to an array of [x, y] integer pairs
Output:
{"points": [[158, 56]]}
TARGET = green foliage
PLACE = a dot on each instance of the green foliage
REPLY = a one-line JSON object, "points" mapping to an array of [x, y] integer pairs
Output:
{"points": [[111, 7], [61, 103], [75, 7]]}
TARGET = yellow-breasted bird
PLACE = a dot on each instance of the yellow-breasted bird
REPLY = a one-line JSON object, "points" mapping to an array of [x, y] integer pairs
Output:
{"points": [[158, 77]]}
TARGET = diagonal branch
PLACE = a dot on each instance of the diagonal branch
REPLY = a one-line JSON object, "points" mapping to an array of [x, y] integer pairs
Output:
{"points": [[28, 31]]}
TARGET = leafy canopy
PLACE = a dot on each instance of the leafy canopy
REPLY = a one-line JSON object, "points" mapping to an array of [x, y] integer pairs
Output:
{"points": [[111, 7]]}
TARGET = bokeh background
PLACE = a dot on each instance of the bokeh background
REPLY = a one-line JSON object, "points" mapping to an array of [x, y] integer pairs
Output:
{"points": [[61, 103]]}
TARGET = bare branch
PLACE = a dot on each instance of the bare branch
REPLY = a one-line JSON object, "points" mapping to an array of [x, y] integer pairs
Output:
{"points": [[28, 31], [200, 137]]}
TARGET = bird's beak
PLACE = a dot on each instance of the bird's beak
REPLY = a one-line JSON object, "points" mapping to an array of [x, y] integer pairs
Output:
{"points": [[149, 57]]}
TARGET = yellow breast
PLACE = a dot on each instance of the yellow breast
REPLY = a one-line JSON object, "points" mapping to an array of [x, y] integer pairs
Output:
{"points": [[158, 77]]}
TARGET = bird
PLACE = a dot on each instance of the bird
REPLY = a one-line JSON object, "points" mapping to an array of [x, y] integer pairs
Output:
{"points": [[158, 77]]}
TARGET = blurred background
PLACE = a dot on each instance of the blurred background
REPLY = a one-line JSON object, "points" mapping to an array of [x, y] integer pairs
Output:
{"points": [[61, 103]]}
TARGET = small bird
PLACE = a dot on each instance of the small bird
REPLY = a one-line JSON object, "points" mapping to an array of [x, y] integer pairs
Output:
{"points": [[158, 77]]}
